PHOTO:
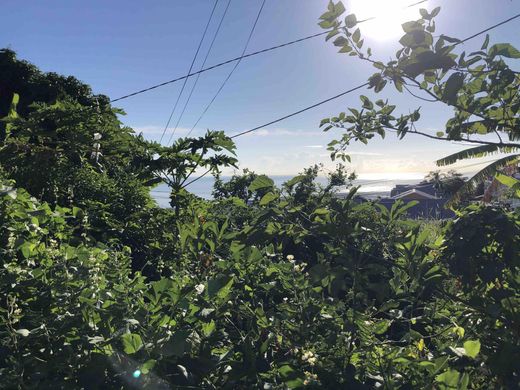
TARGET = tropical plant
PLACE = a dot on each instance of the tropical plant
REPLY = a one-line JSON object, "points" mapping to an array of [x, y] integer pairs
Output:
{"points": [[445, 183]]}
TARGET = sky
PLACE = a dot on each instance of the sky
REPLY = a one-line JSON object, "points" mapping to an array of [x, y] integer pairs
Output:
{"points": [[121, 46]]}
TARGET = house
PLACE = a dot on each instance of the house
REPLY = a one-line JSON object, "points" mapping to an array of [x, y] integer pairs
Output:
{"points": [[427, 188], [429, 204], [414, 194]]}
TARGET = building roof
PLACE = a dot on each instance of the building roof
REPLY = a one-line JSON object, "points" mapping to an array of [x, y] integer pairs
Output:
{"points": [[415, 194]]}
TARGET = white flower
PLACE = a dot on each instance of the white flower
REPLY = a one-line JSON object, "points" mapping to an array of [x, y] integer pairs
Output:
{"points": [[290, 258], [310, 378], [97, 136], [309, 357], [199, 288]]}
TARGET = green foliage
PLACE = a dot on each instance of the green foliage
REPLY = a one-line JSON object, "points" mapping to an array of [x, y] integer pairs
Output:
{"points": [[480, 88], [262, 288]]}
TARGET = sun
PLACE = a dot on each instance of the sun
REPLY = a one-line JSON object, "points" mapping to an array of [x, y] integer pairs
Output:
{"points": [[388, 14]]}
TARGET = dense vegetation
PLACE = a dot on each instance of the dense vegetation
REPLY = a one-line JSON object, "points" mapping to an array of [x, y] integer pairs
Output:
{"points": [[261, 288]]}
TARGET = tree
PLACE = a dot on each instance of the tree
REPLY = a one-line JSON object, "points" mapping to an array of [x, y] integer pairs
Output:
{"points": [[177, 163], [447, 183], [237, 186], [480, 88]]}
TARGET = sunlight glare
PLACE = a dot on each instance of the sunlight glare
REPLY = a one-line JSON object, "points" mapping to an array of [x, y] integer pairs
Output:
{"points": [[389, 14]]}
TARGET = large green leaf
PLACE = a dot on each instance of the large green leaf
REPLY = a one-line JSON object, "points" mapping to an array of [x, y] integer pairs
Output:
{"points": [[449, 378], [510, 182], [475, 152], [268, 198], [261, 182], [220, 287], [505, 50], [472, 348], [132, 343]]}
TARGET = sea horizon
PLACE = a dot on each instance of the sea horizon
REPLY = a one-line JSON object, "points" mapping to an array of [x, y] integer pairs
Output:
{"points": [[370, 188]]}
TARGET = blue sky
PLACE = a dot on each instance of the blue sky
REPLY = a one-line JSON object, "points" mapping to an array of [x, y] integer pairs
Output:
{"points": [[121, 46]]}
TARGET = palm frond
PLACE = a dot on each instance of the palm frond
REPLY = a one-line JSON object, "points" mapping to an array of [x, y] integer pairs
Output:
{"points": [[489, 171], [476, 152]]}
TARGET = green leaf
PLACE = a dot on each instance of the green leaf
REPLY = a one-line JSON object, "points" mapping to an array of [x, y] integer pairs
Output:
{"points": [[424, 14], [486, 43], [260, 182], [26, 249], [294, 180], [286, 371], [449, 378], [321, 211], [452, 87], [435, 12], [510, 182], [381, 326], [339, 8], [131, 343], [219, 287], [505, 50], [472, 348], [340, 41], [356, 36], [177, 343], [345, 49], [294, 383], [147, 366], [332, 34], [324, 121], [268, 198], [409, 27], [350, 20], [366, 102], [208, 328]]}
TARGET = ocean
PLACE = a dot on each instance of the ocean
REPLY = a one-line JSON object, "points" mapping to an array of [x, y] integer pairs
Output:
{"points": [[371, 189]]}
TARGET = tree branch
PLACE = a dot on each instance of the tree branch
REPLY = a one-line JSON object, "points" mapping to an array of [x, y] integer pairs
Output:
{"points": [[479, 142]]}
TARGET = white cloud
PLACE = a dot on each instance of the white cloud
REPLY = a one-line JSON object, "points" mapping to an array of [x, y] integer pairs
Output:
{"points": [[282, 132], [354, 153], [313, 146]]}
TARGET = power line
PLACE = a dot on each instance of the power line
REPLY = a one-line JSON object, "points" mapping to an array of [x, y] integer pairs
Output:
{"points": [[191, 67], [240, 58], [219, 65], [201, 67], [490, 28], [232, 70], [283, 118], [300, 111], [341, 94]]}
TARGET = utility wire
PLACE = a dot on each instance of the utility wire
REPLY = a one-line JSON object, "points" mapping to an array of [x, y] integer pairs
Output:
{"points": [[299, 111], [201, 67], [342, 94], [490, 28], [219, 65], [283, 118], [232, 70], [240, 58], [191, 67]]}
